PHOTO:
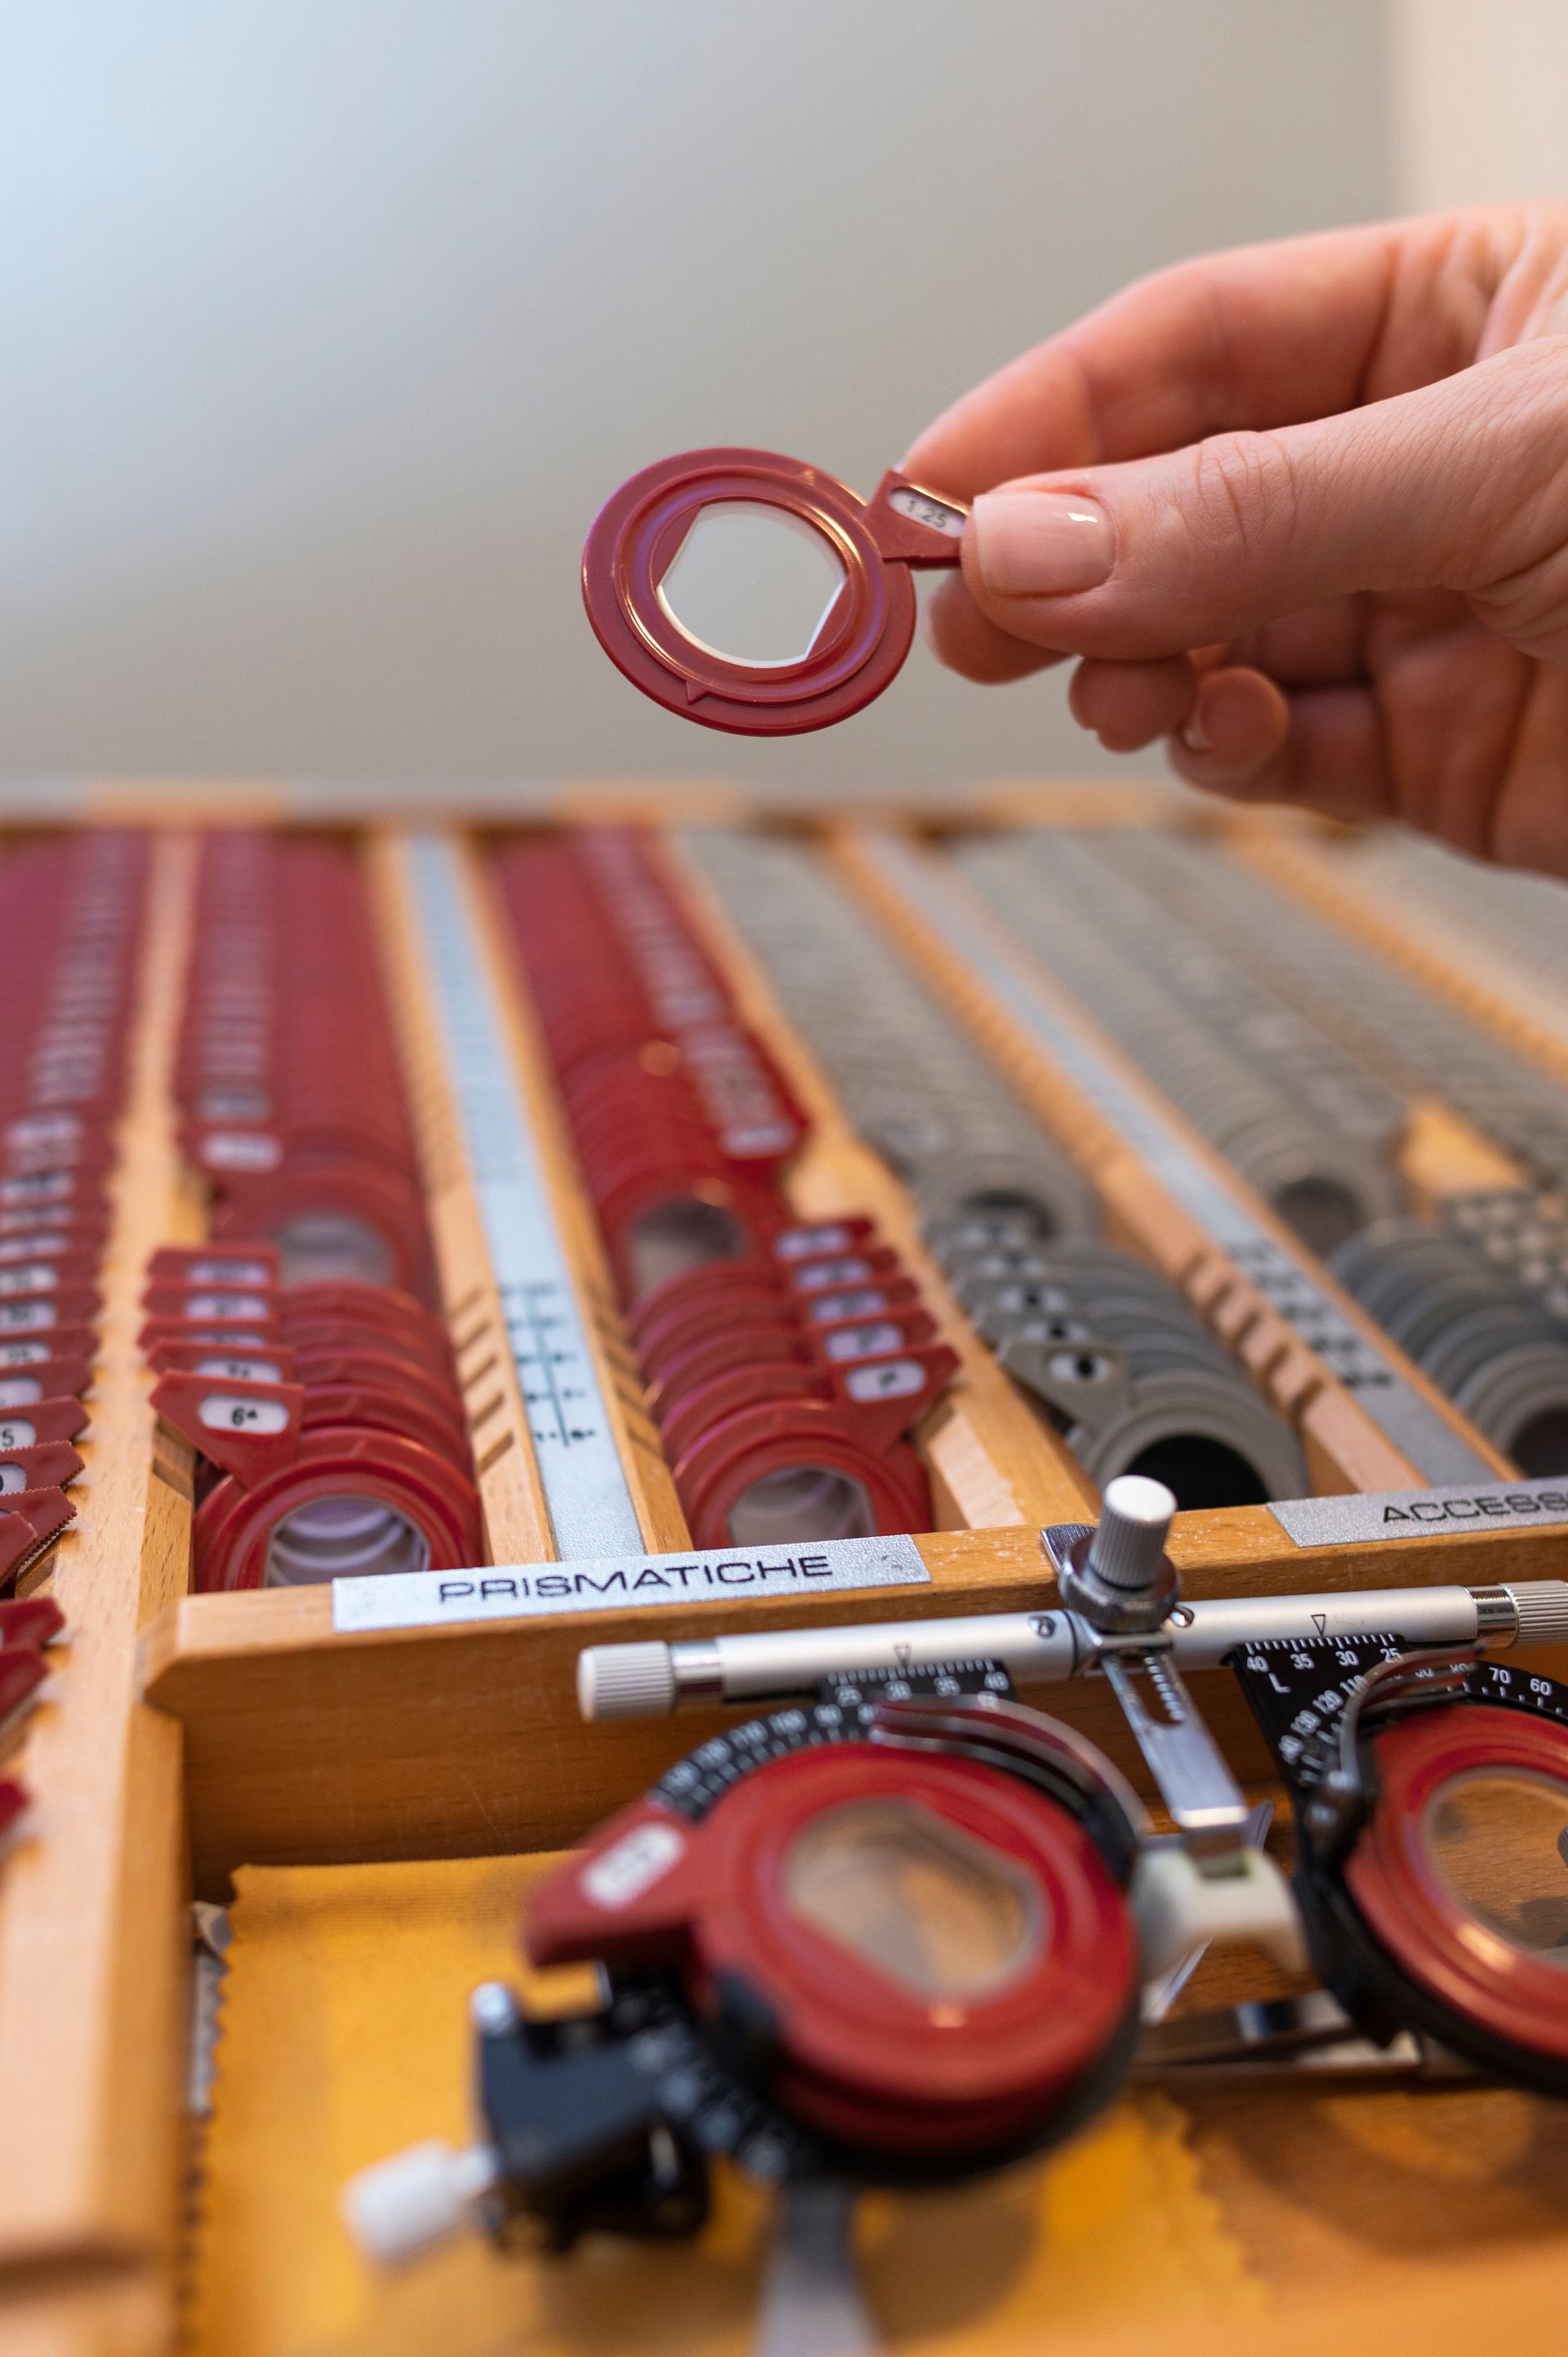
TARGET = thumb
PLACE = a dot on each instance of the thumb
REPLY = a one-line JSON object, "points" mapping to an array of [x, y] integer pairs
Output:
{"points": [[1458, 486]]}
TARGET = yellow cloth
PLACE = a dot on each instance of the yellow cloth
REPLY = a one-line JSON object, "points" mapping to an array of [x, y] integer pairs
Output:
{"points": [[345, 2037]]}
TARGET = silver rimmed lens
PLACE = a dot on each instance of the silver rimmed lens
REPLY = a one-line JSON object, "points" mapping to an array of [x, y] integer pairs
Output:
{"points": [[1457, 1299]]}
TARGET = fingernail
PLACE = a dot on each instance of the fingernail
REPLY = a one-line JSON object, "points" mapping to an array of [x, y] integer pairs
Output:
{"points": [[1042, 543]]}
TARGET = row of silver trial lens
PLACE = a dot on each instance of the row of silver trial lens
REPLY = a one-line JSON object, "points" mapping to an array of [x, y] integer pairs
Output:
{"points": [[1107, 1349], [1415, 1036], [1481, 1303], [1313, 1132], [1129, 918]]}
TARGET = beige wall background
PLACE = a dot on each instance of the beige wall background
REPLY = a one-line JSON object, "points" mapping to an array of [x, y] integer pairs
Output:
{"points": [[1478, 101], [328, 323]]}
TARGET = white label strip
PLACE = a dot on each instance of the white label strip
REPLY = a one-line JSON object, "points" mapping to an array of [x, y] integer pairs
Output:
{"points": [[591, 1508], [1393, 1404], [1417, 1514], [426, 1600]]}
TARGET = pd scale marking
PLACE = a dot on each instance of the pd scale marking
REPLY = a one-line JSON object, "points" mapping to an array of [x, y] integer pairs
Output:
{"points": [[590, 1509]]}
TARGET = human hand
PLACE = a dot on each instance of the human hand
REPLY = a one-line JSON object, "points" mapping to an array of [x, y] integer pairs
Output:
{"points": [[1302, 510]]}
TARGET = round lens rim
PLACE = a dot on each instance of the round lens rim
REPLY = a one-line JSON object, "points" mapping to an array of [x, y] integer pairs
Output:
{"points": [[1499, 1993], [634, 538]]}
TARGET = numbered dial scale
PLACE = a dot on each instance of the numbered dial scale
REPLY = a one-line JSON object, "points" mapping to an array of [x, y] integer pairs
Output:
{"points": [[1430, 1797]]}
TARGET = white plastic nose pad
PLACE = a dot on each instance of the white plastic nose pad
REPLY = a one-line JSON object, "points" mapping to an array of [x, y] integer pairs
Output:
{"points": [[1177, 1908], [398, 2208]]}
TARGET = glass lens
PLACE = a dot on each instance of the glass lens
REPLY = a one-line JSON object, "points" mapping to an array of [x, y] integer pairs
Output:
{"points": [[329, 1247], [1539, 1447], [1322, 1211], [1499, 1839], [751, 583], [342, 1538], [920, 1901], [675, 1237], [803, 1502]]}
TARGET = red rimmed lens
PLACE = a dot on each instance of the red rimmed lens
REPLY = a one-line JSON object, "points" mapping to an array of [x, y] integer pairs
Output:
{"points": [[382, 1408], [1462, 1873], [795, 1469], [385, 1365], [942, 1954], [862, 639], [352, 1503], [353, 1224]]}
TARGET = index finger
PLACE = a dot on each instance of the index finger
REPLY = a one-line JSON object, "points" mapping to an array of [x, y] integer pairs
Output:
{"points": [[1264, 335]]}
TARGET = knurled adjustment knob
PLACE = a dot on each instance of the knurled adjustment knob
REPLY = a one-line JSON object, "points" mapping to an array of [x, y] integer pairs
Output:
{"points": [[626, 1681], [1118, 1576], [1540, 1607]]}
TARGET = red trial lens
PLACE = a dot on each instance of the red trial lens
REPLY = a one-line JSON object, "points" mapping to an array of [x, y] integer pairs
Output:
{"points": [[271, 1363], [203, 1268], [30, 1620], [23, 1538], [28, 1426], [250, 1429], [65, 1346], [931, 1951], [754, 594], [1432, 1803], [350, 1502], [55, 1380], [45, 1465]]}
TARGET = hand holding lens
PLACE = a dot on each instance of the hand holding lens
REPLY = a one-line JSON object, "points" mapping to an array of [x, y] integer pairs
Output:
{"points": [[670, 521]]}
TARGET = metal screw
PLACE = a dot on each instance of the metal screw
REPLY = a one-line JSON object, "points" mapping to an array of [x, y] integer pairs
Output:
{"points": [[493, 2009]]}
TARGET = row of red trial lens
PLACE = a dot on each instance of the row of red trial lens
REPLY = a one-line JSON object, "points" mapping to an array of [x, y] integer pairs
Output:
{"points": [[298, 1350], [288, 1076], [784, 1364], [71, 917]]}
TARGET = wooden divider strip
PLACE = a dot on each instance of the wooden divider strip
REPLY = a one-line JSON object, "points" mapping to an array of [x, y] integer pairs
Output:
{"points": [[1346, 1450], [95, 1942], [1441, 1155], [993, 1463]]}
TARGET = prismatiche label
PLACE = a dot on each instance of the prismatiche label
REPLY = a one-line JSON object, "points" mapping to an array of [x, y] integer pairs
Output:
{"points": [[424, 1599], [1417, 1514]]}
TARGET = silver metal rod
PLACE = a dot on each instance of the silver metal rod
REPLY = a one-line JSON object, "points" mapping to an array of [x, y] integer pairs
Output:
{"points": [[646, 1681], [1046, 1648], [1422, 1616]]}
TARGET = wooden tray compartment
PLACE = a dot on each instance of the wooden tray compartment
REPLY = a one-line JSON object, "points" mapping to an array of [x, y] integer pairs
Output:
{"points": [[296, 1745]]}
